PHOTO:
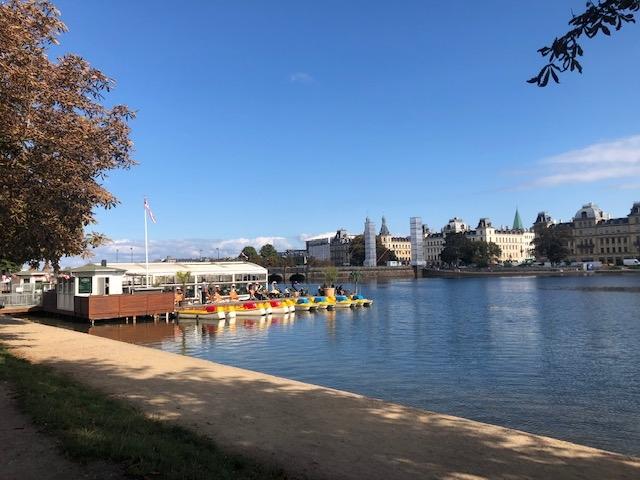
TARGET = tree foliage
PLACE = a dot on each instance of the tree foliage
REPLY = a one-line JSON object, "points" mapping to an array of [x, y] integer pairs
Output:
{"points": [[485, 253], [330, 275], [57, 141], [356, 252], [461, 250], [551, 243], [457, 249], [7, 266], [183, 278], [600, 17], [269, 256], [249, 254]]}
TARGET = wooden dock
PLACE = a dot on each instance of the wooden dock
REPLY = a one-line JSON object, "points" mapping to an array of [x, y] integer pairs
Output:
{"points": [[104, 307]]}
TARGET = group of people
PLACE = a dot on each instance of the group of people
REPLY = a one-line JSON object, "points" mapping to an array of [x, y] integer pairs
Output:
{"points": [[256, 291], [215, 293]]}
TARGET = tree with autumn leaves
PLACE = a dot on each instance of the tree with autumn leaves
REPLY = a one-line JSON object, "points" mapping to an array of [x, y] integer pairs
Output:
{"points": [[58, 142]]}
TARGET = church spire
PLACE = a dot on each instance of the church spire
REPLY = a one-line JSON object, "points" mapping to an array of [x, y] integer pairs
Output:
{"points": [[517, 221], [384, 230]]}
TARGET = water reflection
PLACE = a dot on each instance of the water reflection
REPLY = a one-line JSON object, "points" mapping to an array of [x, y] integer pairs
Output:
{"points": [[554, 356]]}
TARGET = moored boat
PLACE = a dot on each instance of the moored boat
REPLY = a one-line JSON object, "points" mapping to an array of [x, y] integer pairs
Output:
{"points": [[341, 301], [291, 303], [321, 302], [360, 301], [208, 312], [250, 309], [304, 304], [279, 306]]}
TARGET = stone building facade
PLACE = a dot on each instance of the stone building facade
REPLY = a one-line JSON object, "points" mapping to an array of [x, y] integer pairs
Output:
{"points": [[595, 236], [319, 248], [515, 243], [340, 248], [401, 246]]}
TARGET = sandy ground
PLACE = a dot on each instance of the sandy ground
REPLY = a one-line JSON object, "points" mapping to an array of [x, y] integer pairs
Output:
{"points": [[27, 454], [310, 431]]}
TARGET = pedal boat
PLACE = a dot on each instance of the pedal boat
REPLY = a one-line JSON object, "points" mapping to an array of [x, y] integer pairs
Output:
{"points": [[360, 301], [250, 309], [342, 301], [279, 306], [206, 312], [321, 303], [304, 305], [291, 304]]}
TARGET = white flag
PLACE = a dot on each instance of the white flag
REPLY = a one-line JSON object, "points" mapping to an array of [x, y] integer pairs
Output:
{"points": [[148, 209]]}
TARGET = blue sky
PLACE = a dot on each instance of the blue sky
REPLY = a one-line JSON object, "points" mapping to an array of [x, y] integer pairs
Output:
{"points": [[264, 121]]}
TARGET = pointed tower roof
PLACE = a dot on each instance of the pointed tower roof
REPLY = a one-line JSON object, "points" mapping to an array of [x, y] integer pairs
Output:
{"points": [[517, 221], [384, 230]]}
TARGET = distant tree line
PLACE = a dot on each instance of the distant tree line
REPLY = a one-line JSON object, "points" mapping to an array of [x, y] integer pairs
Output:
{"points": [[461, 250], [356, 252], [552, 243]]}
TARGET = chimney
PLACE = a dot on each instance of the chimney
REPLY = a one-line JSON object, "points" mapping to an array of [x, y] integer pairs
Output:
{"points": [[103, 263]]}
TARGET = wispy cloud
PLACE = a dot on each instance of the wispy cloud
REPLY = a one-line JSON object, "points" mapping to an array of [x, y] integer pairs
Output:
{"points": [[619, 159], [301, 77], [125, 249], [303, 237]]}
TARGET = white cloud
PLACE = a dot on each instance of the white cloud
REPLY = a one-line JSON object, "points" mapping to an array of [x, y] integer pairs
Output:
{"points": [[301, 77], [303, 237], [619, 159], [123, 249]]}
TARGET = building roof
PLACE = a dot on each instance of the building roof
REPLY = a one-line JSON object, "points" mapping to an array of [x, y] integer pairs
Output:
{"points": [[94, 267], [384, 230], [30, 273], [591, 210], [197, 268], [517, 221]]}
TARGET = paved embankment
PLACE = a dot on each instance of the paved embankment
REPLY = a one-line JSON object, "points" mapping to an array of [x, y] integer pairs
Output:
{"points": [[309, 430]]}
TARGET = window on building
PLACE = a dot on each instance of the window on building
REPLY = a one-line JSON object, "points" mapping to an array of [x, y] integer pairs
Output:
{"points": [[84, 285]]}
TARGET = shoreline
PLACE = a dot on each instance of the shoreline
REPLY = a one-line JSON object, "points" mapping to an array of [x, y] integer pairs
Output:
{"points": [[309, 430], [523, 273]]}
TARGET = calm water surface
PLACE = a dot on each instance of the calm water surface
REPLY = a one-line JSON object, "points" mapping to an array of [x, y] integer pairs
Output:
{"points": [[553, 356]]}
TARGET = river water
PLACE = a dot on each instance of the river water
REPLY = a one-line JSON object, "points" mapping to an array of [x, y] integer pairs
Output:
{"points": [[556, 356]]}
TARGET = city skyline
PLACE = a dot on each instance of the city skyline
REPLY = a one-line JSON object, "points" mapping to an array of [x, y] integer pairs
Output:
{"points": [[212, 248]]}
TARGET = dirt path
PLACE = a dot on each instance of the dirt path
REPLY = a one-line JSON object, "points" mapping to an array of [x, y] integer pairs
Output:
{"points": [[309, 430], [27, 454]]}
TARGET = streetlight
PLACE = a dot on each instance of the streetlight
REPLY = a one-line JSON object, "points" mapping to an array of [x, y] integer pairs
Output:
{"points": [[131, 248], [117, 251]]}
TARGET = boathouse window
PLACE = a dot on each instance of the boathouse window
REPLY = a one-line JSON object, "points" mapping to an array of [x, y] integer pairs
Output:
{"points": [[84, 285]]}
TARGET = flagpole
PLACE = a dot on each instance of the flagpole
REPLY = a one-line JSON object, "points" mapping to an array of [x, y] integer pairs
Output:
{"points": [[146, 245]]}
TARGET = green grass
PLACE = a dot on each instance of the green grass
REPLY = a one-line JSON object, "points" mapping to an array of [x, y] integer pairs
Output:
{"points": [[92, 427]]}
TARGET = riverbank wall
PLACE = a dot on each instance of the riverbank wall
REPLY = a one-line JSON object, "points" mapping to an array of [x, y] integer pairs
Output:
{"points": [[367, 273], [311, 431], [434, 273]]}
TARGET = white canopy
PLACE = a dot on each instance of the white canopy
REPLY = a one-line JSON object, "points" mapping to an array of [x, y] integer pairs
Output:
{"points": [[195, 268]]}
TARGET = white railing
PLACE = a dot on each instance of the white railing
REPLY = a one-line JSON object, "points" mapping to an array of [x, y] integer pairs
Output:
{"points": [[20, 299]]}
